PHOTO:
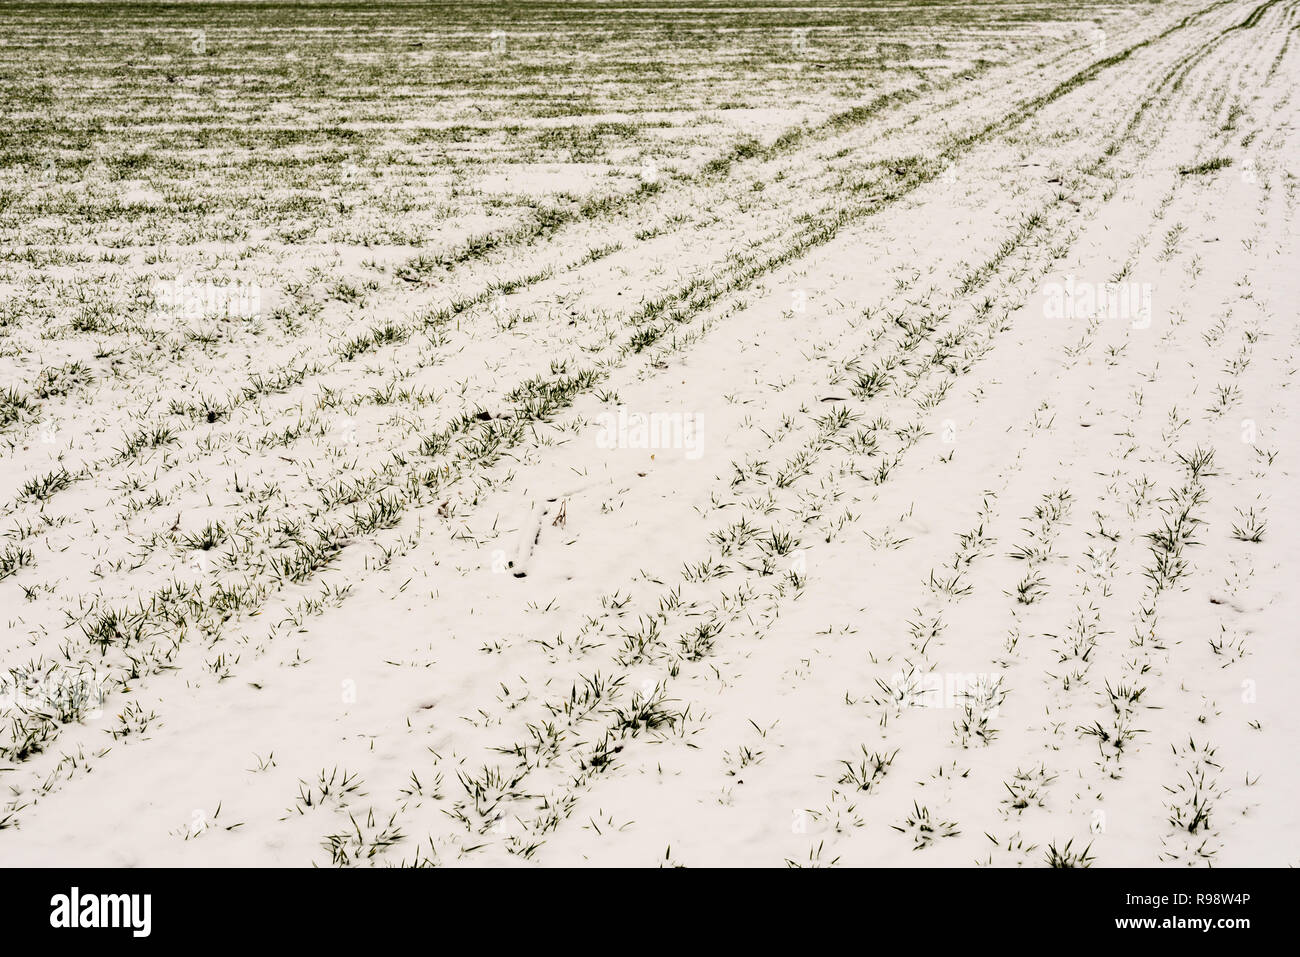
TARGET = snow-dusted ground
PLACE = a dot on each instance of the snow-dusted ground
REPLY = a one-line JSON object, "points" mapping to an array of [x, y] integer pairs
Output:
{"points": [[929, 561]]}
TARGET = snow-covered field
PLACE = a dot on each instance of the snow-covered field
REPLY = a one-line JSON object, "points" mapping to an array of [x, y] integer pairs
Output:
{"points": [[676, 434]]}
